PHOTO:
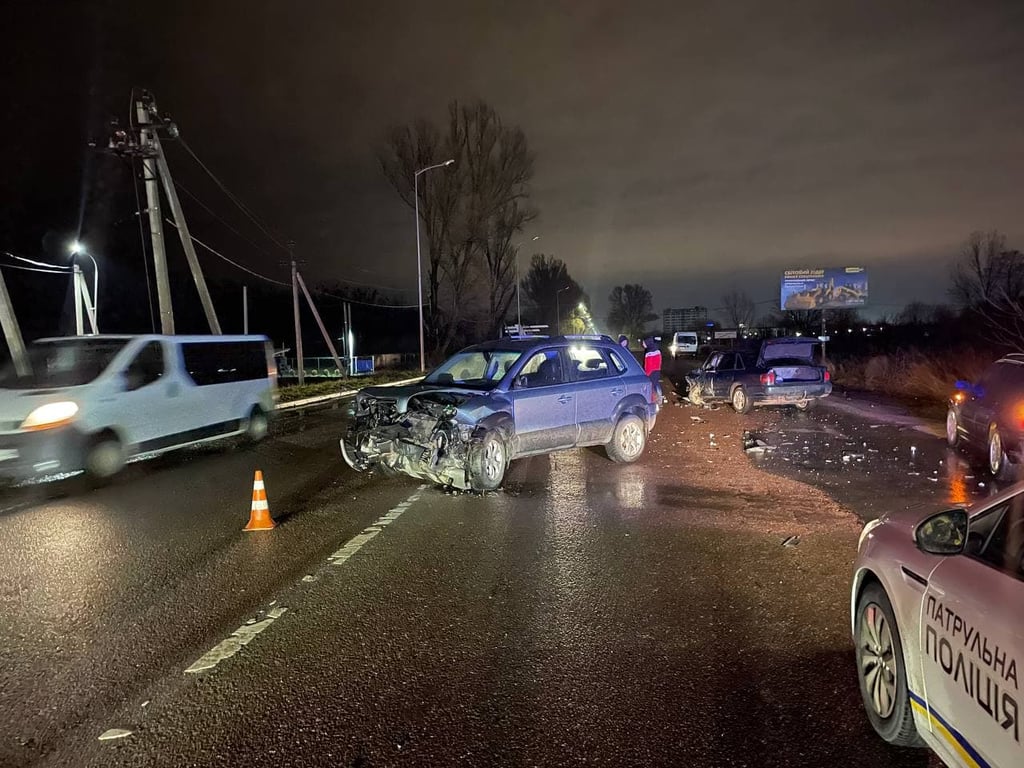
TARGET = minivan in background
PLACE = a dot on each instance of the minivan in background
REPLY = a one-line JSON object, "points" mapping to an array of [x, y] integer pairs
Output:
{"points": [[92, 403], [683, 343]]}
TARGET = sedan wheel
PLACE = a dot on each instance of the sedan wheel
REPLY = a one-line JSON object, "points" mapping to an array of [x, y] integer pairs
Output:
{"points": [[881, 670], [952, 429], [740, 400], [996, 454]]}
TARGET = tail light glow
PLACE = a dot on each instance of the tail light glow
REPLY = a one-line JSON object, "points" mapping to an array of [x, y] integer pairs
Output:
{"points": [[828, 376], [768, 378]]}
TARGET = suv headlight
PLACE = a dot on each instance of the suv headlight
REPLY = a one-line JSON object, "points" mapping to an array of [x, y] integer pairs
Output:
{"points": [[50, 415], [867, 529]]}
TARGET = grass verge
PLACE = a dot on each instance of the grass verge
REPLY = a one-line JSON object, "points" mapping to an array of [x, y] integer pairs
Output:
{"points": [[294, 392]]}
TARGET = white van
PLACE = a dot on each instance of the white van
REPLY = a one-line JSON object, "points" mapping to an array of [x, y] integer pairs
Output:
{"points": [[94, 402], [683, 343]]}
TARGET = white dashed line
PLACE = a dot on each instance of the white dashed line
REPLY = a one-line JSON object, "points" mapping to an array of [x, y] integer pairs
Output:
{"points": [[246, 633]]}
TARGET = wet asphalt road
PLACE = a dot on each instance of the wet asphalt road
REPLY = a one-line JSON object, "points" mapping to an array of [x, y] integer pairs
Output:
{"points": [[588, 614], [102, 593]]}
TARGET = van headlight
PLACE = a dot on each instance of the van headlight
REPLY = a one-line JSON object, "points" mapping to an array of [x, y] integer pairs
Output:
{"points": [[868, 528], [50, 415]]}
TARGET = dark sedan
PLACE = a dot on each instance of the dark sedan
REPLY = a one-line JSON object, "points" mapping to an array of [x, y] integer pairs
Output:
{"points": [[785, 371], [988, 415]]}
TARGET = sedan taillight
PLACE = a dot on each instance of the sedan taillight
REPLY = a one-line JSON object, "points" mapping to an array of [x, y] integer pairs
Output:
{"points": [[828, 376], [768, 378]]}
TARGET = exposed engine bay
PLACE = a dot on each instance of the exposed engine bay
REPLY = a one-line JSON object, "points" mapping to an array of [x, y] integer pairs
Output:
{"points": [[425, 441]]}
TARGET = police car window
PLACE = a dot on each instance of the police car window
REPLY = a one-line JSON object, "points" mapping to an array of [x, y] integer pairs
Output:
{"points": [[1004, 545]]}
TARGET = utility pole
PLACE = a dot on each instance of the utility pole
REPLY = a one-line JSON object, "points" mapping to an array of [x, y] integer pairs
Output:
{"points": [[150, 147], [186, 237], [319, 321], [77, 290], [12, 332], [298, 326], [245, 310]]}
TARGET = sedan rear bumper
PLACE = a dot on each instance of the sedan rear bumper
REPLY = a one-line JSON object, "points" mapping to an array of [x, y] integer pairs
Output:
{"points": [[787, 394]]}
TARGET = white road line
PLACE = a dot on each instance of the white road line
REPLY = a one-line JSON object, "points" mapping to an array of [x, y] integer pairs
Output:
{"points": [[246, 633]]}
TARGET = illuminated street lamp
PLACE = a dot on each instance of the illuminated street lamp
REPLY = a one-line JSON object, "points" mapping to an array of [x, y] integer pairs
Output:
{"points": [[519, 305], [76, 249], [558, 311], [419, 262]]}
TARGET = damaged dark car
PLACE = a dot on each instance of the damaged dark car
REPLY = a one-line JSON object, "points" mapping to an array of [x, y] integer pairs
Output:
{"points": [[503, 400], [783, 371]]}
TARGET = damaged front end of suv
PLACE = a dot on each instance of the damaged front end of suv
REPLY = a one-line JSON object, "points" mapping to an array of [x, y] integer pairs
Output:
{"points": [[430, 434]]}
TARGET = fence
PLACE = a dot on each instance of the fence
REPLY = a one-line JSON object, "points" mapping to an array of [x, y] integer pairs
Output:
{"points": [[324, 367]]}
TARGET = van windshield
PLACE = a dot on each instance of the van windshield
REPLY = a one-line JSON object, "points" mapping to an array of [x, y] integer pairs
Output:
{"points": [[63, 363]]}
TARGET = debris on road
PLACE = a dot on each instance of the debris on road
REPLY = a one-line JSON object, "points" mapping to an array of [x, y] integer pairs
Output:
{"points": [[791, 541], [115, 733]]}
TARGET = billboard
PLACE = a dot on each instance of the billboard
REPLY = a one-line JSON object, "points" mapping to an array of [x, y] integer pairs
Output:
{"points": [[832, 288]]}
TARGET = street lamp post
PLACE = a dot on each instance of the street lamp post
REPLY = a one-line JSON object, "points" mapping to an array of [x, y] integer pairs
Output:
{"points": [[77, 249], [419, 262], [519, 305], [558, 310]]}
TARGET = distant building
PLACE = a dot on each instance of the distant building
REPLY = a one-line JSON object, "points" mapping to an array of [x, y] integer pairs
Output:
{"points": [[685, 319]]}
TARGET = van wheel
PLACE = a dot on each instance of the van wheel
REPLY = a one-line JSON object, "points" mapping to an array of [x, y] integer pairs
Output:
{"points": [[104, 458], [257, 425]]}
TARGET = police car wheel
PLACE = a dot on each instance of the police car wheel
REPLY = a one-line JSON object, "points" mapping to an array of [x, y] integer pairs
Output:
{"points": [[998, 463], [881, 670], [952, 429]]}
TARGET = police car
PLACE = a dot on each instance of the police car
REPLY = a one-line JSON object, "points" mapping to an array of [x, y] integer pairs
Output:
{"points": [[937, 610]]}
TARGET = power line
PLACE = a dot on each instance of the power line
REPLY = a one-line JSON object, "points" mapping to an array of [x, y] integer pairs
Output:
{"points": [[35, 269], [47, 265], [233, 263], [231, 196], [210, 211]]}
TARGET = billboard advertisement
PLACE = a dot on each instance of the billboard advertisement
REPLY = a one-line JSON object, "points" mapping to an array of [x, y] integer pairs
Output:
{"points": [[832, 288]]}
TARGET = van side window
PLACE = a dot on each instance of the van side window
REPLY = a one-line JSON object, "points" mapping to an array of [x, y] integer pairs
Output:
{"points": [[147, 367], [223, 362]]}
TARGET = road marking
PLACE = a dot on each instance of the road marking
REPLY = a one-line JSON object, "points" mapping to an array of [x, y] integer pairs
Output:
{"points": [[246, 633]]}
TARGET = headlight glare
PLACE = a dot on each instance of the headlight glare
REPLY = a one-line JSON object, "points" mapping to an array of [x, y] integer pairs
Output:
{"points": [[50, 415]]}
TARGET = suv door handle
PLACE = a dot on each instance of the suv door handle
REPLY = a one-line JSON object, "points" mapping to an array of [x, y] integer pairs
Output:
{"points": [[618, 391], [563, 399]]}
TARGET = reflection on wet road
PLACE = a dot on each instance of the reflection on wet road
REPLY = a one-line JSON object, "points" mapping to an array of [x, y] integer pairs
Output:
{"points": [[869, 464]]}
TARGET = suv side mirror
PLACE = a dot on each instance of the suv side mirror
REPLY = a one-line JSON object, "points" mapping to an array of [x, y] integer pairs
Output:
{"points": [[944, 533]]}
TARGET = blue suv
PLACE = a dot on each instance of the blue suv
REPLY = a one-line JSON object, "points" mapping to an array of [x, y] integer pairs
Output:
{"points": [[502, 400]]}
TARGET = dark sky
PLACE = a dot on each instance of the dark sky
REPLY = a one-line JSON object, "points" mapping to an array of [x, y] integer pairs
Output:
{"points": [[688, 146]]}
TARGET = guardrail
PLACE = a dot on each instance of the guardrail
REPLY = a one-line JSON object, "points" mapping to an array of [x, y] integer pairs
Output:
{"points": [[306, 401]]}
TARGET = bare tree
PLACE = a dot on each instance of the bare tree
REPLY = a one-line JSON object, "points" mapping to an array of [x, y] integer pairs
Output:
{"points": [[471, 212], [739, 308], [552, 290], [988, 280], [631, 309]]}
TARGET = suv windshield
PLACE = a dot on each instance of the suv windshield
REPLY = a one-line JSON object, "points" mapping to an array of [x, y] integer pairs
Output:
{"points": [[475, 369], [64, 363]]}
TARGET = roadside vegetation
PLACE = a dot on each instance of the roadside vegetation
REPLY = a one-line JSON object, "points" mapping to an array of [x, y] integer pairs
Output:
{"points": [[290, 393]]}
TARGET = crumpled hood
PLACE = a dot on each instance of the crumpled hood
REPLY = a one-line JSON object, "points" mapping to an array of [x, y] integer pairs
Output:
{"points": [[401, 395]]}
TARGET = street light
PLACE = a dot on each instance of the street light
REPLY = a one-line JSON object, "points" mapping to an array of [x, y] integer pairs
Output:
{"points": [[558, 311], [519, 306], [419, 263], [76, 248]]}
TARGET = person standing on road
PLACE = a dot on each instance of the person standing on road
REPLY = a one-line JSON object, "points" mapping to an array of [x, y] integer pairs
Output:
{"points": [[652, 357]]}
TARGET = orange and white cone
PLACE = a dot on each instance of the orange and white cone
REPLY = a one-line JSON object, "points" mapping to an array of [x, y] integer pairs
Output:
{"points": [[259, 516]]}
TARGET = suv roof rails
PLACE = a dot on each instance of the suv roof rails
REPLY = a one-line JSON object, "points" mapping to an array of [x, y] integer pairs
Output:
{"points": [[586, 337]]}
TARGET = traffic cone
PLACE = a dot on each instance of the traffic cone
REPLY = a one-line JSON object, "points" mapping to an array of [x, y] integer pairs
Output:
{"points": [[259, 516]]}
